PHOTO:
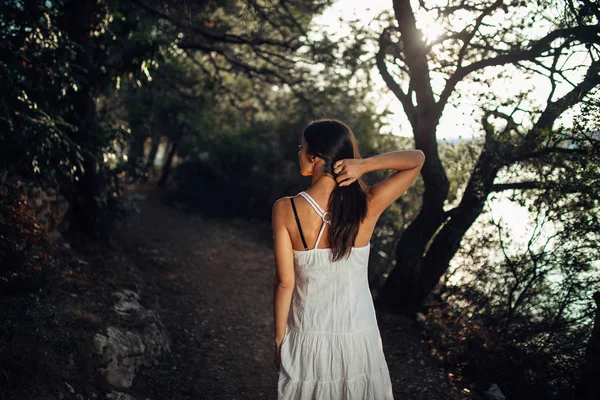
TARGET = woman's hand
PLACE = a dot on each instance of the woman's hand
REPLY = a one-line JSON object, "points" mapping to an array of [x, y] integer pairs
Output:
{"points": [[348, 170], [277, 359]]}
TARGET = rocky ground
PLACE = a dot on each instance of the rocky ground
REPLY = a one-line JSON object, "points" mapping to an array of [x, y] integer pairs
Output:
{"points": [[209, 283]]}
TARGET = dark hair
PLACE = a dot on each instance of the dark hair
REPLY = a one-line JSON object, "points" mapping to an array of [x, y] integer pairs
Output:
{"points": [[333, 140]]}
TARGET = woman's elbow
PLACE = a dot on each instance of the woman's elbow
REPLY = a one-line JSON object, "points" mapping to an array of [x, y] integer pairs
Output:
{"points": [[287, 284], [420, 157]]}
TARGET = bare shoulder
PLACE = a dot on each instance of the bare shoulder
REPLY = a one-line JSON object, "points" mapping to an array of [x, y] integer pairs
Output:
{"points": [[281, 206], [282, 202]]}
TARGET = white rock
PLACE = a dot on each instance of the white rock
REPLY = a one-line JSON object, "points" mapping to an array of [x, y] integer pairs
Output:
{"points": [[494, 393], [118, 396], [123, 351]]}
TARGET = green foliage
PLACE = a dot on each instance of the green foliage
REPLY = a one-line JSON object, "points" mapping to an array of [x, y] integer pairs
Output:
{"points": [[37, 76], [525, 303], [48, 125], [58, 57]]}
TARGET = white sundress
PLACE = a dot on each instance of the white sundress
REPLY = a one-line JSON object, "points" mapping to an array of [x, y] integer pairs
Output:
{"points": [[332, 346]]}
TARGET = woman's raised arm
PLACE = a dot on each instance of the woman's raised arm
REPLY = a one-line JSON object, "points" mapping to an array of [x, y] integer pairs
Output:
{"points": [[406, 163]]}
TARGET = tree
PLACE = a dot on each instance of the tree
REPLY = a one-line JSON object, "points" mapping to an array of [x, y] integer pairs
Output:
{"points": [[263, 42], [58, 57], [479, 37]]}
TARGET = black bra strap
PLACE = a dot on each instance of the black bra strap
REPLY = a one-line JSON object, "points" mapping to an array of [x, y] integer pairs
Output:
{"points": [[298, 223]]}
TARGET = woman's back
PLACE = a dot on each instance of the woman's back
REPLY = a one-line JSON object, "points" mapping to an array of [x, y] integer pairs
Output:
{"points": [[330, 296], [312, 222]]}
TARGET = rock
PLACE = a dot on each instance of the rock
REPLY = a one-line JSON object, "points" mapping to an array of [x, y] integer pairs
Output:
{"points": [[122, 353], [494, 393], [118, 396], [123, 350], [129, 303], [69, 388]]}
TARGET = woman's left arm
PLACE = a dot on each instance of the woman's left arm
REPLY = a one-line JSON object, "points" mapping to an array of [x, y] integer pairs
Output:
{"points": [[283, 285]]}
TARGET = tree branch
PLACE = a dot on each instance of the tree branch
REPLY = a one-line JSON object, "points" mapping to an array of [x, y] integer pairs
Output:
{"points": [[556, 108], [585, 34], [409, 107], [499, 187], [529, 185], [213, 36], [416, 58], [549, 150], [471, 35]]}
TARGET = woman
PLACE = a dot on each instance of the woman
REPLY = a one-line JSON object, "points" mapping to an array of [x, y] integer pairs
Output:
{"points": [[327, 342]]}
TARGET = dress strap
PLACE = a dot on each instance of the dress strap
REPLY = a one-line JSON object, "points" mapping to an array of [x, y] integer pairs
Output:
{"points": [[320, 233], [298, 223], [315, 205], [323, 214]]}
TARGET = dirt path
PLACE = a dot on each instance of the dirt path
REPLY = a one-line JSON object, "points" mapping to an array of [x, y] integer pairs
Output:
{"points": [[210, 280]]}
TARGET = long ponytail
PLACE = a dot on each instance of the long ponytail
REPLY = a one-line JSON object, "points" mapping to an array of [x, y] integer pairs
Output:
{"points": [[333, 140]]}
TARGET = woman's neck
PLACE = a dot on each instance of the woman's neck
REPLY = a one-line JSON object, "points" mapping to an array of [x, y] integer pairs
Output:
{"points": [[323, 183]]}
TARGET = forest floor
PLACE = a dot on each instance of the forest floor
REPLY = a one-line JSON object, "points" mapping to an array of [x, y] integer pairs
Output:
{"points": [[210, 280]]}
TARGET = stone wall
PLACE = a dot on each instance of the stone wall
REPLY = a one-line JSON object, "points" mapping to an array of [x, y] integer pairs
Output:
{"points": [[50, 207]]}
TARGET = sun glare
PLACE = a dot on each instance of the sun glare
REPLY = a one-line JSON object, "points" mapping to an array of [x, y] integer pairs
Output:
{"points": [[430, 28], [460, 119]]}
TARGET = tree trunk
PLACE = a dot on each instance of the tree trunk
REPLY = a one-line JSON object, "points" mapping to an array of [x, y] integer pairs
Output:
{"points": [[152, 155], [167, 166], [135, 153], [588, 388], [446, 242], [79, 19], [426, 247], [400, 291]]}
